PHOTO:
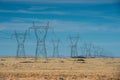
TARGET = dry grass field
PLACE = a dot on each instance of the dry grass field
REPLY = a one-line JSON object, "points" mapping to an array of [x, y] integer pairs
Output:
{"points": [[59, 69]]}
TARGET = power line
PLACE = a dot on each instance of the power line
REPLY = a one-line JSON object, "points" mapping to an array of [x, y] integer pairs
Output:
{"points": [[3, 32], [5, 35]]}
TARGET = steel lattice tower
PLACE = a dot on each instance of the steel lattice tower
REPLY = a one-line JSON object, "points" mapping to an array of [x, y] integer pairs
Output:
{"points": [[40, 33], [74, 42], [20, 37], [88, 49], [56, 48]]}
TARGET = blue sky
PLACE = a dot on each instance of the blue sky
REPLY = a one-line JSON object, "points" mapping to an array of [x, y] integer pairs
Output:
{"points": [[96, 21]]}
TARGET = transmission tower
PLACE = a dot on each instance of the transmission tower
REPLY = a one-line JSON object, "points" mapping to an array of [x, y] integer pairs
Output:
{"points": [[40, 33], [89, 50], [56, 48], [20, 37], [74, 42], [93, 54], [101, 52], [85, 49]]}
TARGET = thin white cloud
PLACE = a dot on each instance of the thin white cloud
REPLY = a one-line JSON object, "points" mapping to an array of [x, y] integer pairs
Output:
{"points": [[63, 1], [2, 28], [106, 44], [94, 14], [60, 26], [41, 8], [79, 26], [14, 26], [111, 17], [33, 12]]}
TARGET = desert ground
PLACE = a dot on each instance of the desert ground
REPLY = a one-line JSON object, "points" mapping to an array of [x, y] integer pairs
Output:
{"points": [[12, 68]]}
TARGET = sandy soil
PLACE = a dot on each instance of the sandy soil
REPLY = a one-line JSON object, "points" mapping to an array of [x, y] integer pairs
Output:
{"points": [[59, 69]]}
